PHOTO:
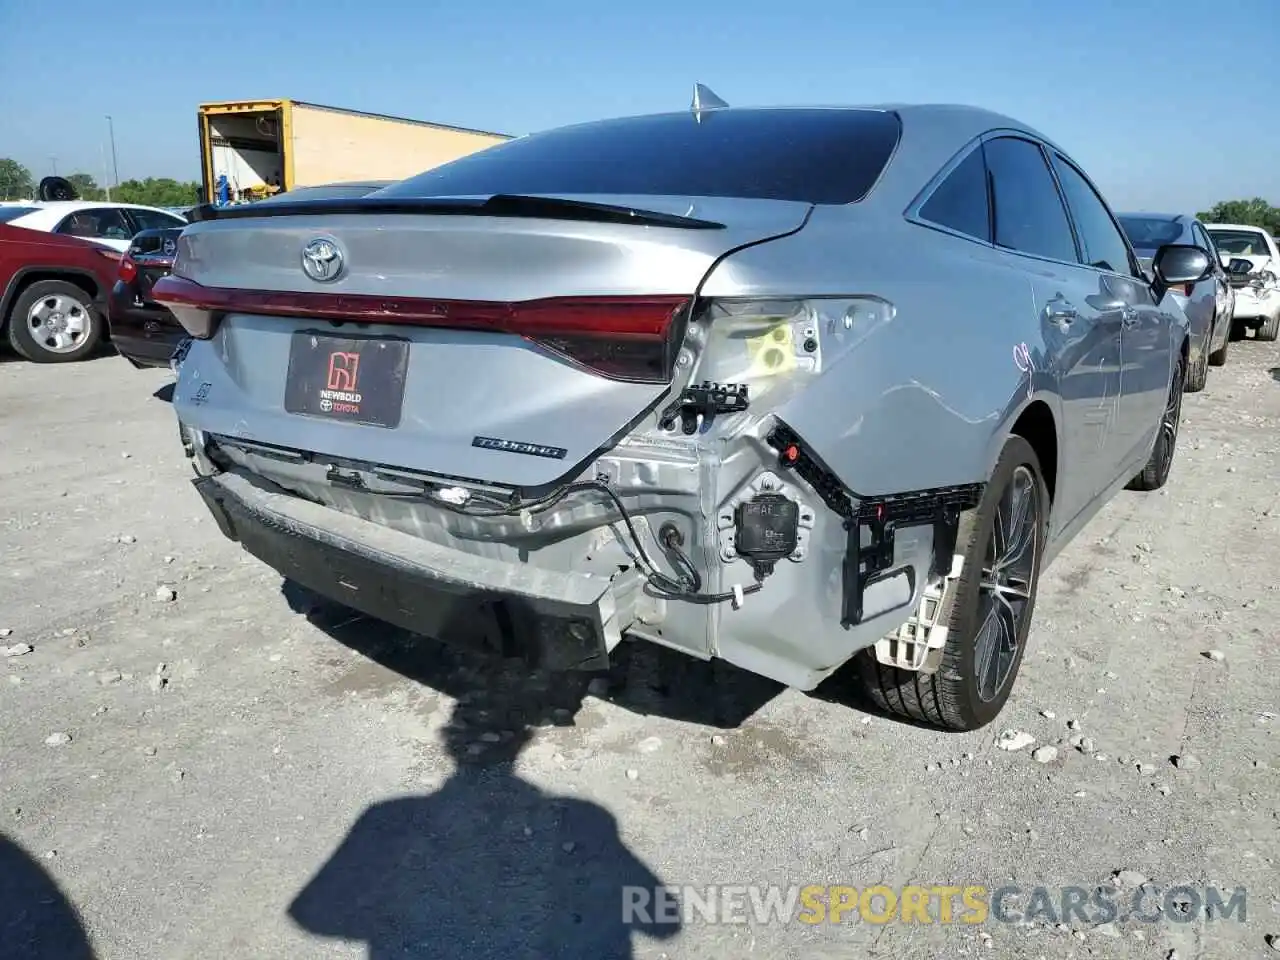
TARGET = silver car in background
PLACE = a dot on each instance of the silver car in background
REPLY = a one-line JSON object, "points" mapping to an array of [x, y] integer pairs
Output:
{"points": [[1208, 304], [780, 386]]}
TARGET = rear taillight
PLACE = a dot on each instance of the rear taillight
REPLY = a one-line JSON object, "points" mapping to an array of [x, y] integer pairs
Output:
{"points": [[628, 338], [774, 346], [128, 269]]}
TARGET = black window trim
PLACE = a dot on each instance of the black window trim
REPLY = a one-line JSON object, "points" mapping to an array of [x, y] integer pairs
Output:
{"points": [[1057, 187], [912, 213], [131, 214], [1135, 270], [1048, 152]]}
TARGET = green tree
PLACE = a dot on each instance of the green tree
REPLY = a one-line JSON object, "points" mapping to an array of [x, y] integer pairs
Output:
{"points": [[1256, 213], [15, 180], [86, 187], [156, 192]]}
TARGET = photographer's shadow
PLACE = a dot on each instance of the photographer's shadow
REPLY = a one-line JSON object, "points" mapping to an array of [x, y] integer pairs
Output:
{"points": [[488, 865], [37, 922]]}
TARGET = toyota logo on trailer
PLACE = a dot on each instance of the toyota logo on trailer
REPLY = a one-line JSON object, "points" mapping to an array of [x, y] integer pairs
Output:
{"points": [[322, 260]]}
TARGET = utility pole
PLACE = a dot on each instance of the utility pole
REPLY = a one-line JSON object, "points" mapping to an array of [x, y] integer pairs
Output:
{"points": [[104, 172], [115, 167], [54, 161]]}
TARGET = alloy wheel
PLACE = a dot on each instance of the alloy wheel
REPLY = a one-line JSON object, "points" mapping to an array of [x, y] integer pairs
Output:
{"points": [[1169, 422], [1004, 591]]}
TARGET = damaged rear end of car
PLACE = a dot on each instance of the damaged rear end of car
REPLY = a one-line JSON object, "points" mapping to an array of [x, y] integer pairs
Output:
{"points": [[492, 409]]}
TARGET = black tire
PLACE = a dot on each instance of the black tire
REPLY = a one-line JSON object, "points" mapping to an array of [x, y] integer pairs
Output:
{"points": [[1238, 330], [1156, 472], [956, 697], [1270, 328], [1198, 376], [80, 306]]}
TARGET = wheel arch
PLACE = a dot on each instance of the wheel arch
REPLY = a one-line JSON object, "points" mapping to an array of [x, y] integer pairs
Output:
{"points": [[28, 275], [1037, 425]]}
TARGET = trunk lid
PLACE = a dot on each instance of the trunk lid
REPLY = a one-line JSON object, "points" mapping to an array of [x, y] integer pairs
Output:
{"points": [[510, 331]]}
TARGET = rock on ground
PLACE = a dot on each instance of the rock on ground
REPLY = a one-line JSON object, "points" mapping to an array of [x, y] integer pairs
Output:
{"points": [[331, 769]]}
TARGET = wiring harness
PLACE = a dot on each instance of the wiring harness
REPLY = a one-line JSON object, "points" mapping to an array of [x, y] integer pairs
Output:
{"points": [[686, 585]]}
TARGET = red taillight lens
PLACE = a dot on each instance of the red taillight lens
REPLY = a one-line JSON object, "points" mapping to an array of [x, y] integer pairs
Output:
{"points": [[128, 269], [629, 338]]}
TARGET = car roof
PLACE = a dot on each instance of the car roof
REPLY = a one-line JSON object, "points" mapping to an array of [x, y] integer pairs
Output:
{"points": [[46, 214], [1236, 226], [70, 206]]}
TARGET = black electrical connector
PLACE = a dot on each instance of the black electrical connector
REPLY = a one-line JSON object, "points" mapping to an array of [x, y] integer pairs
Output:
{"points": [[767, 530], [707, 400]]}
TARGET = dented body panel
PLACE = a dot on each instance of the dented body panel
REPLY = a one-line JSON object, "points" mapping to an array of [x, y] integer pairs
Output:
{"points": [[783, 493]]}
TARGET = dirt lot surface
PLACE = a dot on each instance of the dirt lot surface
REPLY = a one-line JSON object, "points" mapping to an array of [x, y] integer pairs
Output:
{"points": [[202, 765]]}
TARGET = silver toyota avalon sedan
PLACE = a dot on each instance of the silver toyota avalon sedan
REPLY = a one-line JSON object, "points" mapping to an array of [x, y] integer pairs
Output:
{"points": [[783, 386]]}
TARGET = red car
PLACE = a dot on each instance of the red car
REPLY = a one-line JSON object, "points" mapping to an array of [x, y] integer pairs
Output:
{"points": [[53, 292]]}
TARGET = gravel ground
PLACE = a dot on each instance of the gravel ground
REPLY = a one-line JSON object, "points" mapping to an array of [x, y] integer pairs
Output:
{"points": [[206, 765]]}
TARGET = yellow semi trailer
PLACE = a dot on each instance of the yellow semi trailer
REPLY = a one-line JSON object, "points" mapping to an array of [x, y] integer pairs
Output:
{"points": [[262, 146]]}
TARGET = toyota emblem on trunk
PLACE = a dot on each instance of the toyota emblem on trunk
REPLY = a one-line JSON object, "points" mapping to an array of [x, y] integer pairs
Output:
{"points": [[322, 260]]}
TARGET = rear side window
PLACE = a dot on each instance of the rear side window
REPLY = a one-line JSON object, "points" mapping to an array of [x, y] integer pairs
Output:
{"points": [[960, 201], [1026, 206], [1241, 243], [1201, 239], [101, 223], [1150, 233], [1104, 245], [155, 220], [815, 156]]}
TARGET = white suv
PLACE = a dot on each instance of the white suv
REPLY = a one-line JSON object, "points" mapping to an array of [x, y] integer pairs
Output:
{"points": [[1258, 295]]}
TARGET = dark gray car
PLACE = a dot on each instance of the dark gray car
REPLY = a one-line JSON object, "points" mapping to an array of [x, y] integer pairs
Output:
{"points": [[1208, 303], [779, 386]]}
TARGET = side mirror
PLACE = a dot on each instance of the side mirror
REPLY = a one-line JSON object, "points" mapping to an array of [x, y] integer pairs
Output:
{"points": [[1239, 267], [1179, 263]]}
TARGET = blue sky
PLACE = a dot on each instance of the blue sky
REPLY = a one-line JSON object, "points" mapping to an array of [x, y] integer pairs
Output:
{"points": [[1163, 105]]}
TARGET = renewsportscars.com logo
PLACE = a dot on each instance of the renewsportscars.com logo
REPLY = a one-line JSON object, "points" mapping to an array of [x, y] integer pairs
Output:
{"points": [[942, 904]]}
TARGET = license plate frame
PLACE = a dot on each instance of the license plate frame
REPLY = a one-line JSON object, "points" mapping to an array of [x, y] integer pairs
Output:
{"points": [[348, 378]]}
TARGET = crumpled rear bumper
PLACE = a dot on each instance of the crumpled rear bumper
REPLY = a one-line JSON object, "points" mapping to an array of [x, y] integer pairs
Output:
{"points": [[1250, 305], [557, 620]]}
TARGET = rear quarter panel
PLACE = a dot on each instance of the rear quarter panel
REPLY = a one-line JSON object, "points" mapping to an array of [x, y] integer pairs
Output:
{"points": [[927, 398]]}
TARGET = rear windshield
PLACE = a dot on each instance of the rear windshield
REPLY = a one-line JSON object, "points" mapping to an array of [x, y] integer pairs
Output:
{"points": [[12, 213], [810, 155], [1148, 233], [1247, 243]]}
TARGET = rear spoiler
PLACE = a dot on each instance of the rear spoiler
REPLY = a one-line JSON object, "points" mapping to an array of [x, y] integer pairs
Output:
{"points": [[498, 205]]}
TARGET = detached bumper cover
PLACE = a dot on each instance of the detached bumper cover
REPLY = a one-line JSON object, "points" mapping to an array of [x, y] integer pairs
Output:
{"points": [[558, 620]]}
